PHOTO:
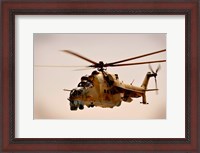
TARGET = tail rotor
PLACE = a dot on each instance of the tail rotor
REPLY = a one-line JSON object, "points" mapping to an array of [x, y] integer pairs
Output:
{"points": [[154, 74]]}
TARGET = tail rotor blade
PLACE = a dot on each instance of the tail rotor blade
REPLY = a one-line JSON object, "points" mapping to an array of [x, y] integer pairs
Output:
{"points": [[158, 68], [156, 85], [151, 68]]}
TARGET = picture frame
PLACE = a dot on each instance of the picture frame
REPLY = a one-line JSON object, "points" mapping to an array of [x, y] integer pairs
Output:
{"points": [[188, 144]]}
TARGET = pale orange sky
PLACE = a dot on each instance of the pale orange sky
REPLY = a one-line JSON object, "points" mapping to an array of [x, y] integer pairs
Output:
{"points": [[50, 101]]}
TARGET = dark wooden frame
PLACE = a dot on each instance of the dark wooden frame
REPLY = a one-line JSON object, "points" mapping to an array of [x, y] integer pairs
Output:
{"points": [[9, 9]]}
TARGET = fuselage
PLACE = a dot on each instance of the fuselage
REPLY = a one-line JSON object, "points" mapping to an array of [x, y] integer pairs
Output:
{"points": [[104, 90]]}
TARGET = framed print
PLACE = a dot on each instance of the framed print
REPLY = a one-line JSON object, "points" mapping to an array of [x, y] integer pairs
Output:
{"points": [[100, 76], [111, 111]]}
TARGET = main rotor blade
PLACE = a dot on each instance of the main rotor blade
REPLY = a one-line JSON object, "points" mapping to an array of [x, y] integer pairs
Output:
{"points": [[128, 64], [58, 66], [80, 56], [156, 52], [87, 68], [66, 90]]}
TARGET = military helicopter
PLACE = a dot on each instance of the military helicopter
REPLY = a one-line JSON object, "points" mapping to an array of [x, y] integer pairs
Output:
{"points": [[103, 89]]}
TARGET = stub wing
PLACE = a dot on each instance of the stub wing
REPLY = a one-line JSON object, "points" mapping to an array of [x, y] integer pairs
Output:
{"points": [[129, 90]]}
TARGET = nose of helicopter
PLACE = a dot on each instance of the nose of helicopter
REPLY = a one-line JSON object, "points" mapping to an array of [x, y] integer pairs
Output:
{"points": [[74, 99], [76, 92]]}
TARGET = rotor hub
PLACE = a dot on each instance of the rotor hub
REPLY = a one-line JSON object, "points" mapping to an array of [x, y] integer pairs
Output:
{"points": [[100, 66]]}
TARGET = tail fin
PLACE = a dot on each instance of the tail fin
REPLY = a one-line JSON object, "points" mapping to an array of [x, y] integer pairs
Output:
{"points": [[146, 79], [144, 101]]}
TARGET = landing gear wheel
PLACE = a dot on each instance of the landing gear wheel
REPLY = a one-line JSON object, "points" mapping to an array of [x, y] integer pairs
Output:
{"points": [[81, 107], [73, 108]]}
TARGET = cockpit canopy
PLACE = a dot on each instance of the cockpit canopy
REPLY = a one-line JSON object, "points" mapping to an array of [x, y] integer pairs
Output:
{"points": [[76, 92], [85, 84]]}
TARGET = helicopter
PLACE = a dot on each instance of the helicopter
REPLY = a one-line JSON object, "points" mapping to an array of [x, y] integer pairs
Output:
{"points": [[103, 89]]}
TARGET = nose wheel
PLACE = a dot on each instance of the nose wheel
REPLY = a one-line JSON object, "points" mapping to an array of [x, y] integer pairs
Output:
{"points": [[74, 105], [81, 107], [73, 108]]}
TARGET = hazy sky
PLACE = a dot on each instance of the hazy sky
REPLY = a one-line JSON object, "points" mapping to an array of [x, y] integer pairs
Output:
{"points": [[50, 101]]}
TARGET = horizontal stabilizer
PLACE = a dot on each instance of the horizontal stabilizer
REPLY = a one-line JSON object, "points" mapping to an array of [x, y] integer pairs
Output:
{"points": [[151, 90]]}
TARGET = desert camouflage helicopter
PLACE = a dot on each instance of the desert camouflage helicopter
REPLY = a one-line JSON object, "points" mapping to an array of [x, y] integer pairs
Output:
{"points": [[104, 89]]}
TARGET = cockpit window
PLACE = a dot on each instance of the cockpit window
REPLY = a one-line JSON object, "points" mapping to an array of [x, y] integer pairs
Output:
{"points": [[76, 92], [85, 84]]}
